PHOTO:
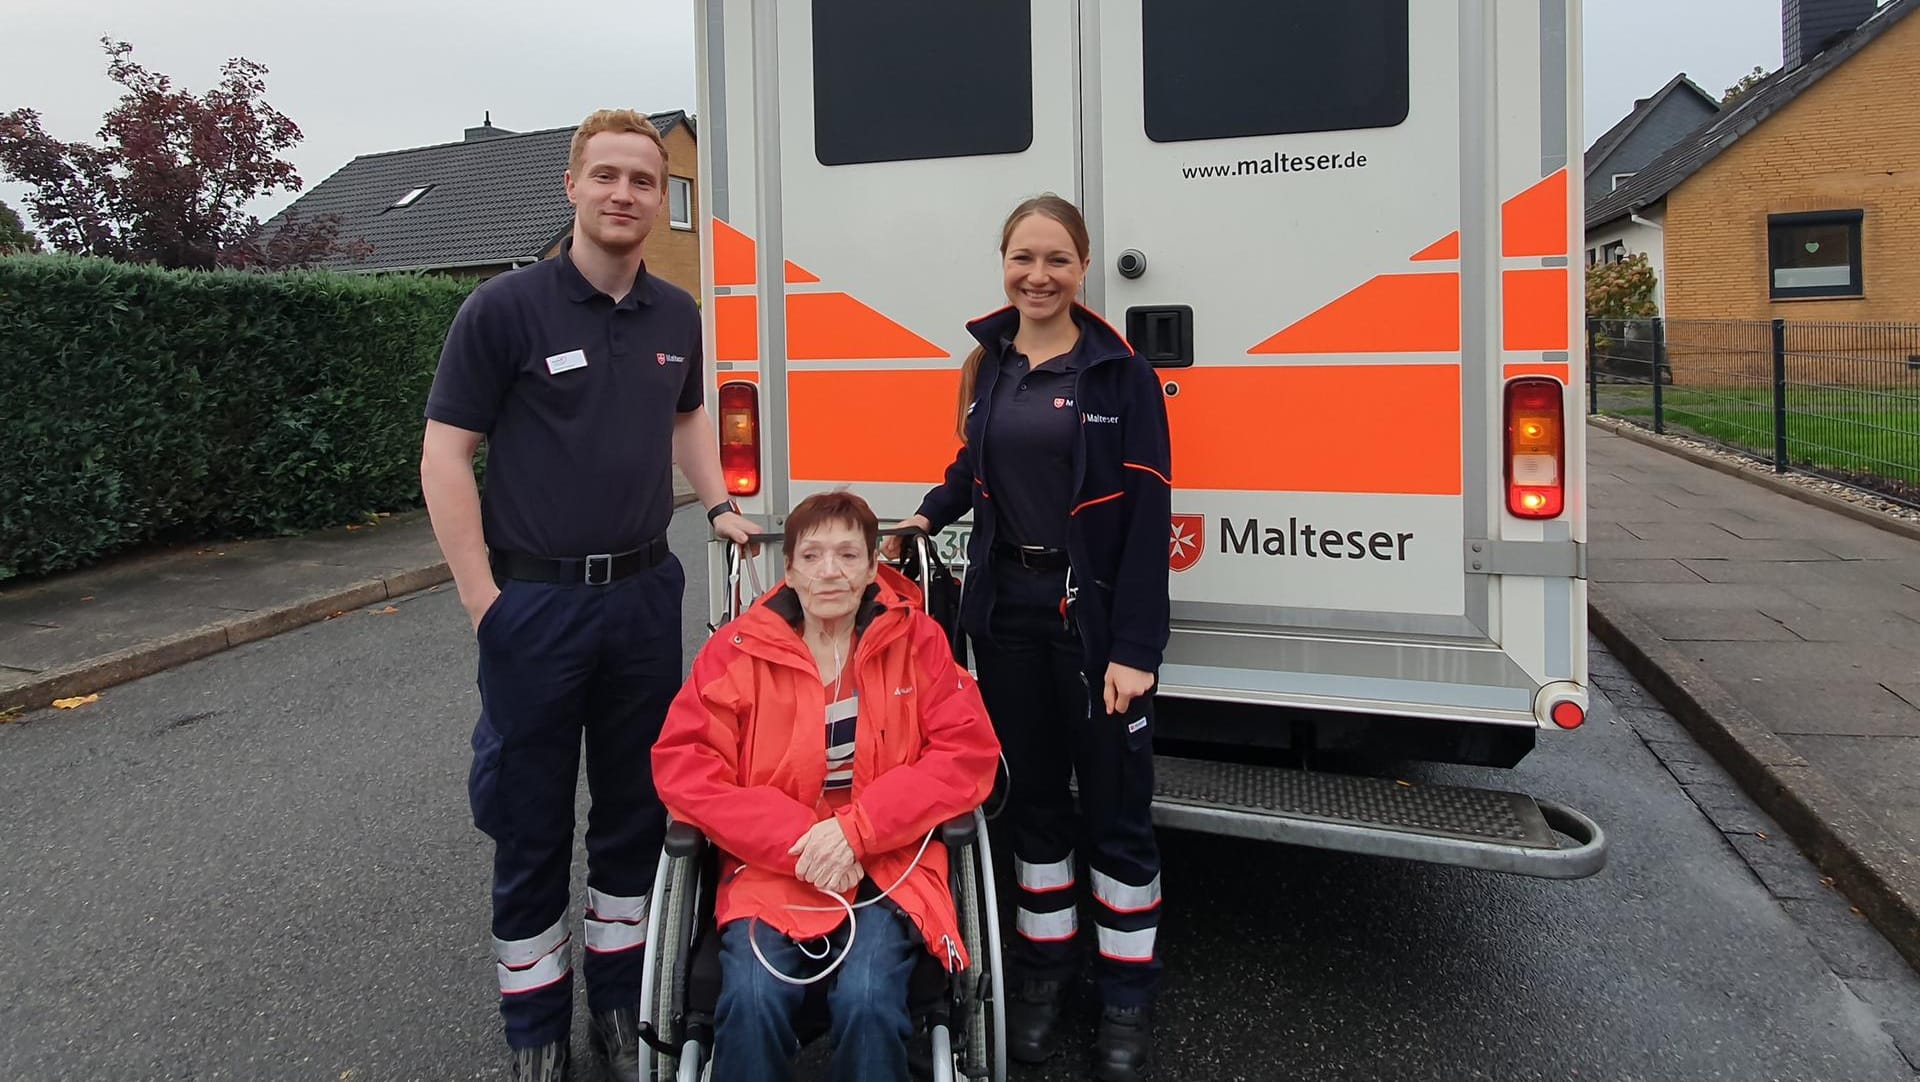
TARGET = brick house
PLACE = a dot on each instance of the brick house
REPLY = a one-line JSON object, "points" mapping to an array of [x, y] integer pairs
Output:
{"points": [[491, 202], [1801, 200]]}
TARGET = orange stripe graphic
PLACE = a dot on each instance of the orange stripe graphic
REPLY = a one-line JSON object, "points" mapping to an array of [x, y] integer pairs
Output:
{"points": [[1393, 313], [836, 327], [1447, 247], [736, 338], [1407, 313], [831, 326], [820, 327], [1535, 221], [1536, 309], [1378, 428], [733, 258], [872, 426]]}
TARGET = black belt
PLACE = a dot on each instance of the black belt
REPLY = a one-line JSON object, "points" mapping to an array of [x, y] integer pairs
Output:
{"points": [[596, 570], [1039, 559]]}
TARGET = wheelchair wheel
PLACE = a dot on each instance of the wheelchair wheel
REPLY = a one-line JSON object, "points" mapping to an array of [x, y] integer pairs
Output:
{"points": [[670, 943], [983, 1052]]}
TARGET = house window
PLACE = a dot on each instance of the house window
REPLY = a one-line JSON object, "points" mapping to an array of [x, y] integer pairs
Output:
{"points": [[410, 198], [897, 81], [1614, 251], [680, 202], [1814, 255], [1621, 178], [1223, 69]]}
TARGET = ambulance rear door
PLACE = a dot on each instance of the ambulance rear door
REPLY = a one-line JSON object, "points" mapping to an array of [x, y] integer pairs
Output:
{"points": [[1300, 213], [861, 155]]}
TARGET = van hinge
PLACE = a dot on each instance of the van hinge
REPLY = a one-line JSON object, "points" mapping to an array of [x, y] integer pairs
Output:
{"points": [[1540, 559]]}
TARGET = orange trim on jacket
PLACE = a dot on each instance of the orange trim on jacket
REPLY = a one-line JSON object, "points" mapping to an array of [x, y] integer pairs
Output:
{"points": [[743, 758]]}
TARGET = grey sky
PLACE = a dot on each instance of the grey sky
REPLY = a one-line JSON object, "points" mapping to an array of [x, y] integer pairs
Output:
{"points": [[361, 76]]}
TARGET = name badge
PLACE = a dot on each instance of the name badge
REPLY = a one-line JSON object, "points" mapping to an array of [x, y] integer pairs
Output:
{"points": [[567, 362]]}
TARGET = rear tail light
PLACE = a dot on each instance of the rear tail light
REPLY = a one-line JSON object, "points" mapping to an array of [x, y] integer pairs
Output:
{"points": [[740, 437], [1536, 448], [1568, 714]]}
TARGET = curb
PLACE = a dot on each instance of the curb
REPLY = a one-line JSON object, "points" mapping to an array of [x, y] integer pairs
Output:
{"points": [[134, 662], [1823, 820], [1765, 480]]}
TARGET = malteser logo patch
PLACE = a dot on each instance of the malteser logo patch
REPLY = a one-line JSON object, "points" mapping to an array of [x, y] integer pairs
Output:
{"points": [[1188, 543], [668, 358]]}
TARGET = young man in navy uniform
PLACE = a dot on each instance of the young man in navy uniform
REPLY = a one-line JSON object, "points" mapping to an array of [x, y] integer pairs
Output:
{"points": [[583, 374]]}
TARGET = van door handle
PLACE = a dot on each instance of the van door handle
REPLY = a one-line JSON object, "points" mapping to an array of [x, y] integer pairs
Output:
{"points": [[1163, 334]]}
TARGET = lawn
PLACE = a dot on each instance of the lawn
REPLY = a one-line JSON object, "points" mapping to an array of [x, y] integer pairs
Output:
{"points": [[1863, 431]]}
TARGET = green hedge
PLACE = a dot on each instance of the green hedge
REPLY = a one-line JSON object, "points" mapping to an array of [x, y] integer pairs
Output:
{"points": [[141, 405]]}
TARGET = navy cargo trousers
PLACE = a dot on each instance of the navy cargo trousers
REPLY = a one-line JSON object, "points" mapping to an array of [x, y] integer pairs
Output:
{"points": [[559, 662], [1047, 705]]}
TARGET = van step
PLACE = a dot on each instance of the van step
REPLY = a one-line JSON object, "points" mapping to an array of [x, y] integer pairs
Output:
{"points": [[1481, 828]]}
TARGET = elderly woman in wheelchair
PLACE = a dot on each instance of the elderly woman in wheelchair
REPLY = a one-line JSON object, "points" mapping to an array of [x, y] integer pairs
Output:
{"points": [[825, 736]]}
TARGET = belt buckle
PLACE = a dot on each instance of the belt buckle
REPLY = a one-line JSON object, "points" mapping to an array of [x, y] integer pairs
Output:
{"points": [[604, 561], [1030, 555]]}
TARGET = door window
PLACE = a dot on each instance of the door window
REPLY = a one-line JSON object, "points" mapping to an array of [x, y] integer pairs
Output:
{"points": [[898, 80], [1222, 69]]}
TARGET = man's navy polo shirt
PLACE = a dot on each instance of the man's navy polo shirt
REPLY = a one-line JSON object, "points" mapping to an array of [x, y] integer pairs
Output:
{"points": [[577, 397], [1031, 437]]}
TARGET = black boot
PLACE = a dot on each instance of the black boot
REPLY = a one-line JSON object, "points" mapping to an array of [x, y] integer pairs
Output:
{"points": [[1120, 1050], [1031, 1014], [547, 1063], [616, 1043]]}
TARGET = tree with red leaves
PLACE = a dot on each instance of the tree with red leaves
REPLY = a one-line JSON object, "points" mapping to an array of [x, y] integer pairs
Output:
{"points": [[169, 184]]}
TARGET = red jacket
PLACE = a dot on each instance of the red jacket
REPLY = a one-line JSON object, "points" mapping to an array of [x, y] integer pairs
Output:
{"points": [[743, 757]]}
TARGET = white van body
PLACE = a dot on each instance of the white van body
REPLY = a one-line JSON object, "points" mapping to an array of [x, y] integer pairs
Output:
{"points": [[1343, 233]]}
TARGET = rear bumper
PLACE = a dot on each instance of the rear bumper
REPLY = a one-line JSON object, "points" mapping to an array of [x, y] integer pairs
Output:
{"points": [[1301, 735]]}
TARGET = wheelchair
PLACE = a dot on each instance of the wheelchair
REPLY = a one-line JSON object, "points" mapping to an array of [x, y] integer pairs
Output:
{"points": [[959, 1017]]}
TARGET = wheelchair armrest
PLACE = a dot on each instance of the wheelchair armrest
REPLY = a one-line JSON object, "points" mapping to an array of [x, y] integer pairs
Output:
{"points": [[684, 840], [958, 831]]}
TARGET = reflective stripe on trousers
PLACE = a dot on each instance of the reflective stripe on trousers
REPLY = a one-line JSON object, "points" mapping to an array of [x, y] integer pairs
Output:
{"points": [[1055, 927], [527, 965], [1045, 878], [1123, 897], [1134, 946], [614, 923]]}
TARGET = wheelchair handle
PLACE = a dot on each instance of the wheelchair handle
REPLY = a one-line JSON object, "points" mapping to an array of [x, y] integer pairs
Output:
{"points": [[684, 840], [651, 1038], [959, 831]]}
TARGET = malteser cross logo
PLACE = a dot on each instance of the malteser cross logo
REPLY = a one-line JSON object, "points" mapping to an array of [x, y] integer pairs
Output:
{"points": [[1188, 541]]}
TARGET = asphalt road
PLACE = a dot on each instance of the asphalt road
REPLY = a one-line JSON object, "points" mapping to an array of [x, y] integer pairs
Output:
{"points": [[260, 866]]}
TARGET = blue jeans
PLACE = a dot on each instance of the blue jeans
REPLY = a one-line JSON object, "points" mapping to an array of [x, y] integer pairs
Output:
{"points": [[866, 999]]}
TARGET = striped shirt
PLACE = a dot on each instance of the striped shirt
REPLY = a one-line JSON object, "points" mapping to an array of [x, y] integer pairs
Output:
{"points": [[841, 717]]}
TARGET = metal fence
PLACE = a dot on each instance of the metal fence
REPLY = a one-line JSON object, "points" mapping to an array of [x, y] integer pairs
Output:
{"points": [[1841, 400]]}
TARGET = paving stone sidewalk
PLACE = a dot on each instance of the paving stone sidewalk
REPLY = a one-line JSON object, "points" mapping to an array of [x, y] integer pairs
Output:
{"points": [[77, 634], [1787, 637]]}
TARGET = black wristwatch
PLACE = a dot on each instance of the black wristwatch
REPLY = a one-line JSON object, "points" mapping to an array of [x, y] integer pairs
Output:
{"points": [[719, 509]]}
